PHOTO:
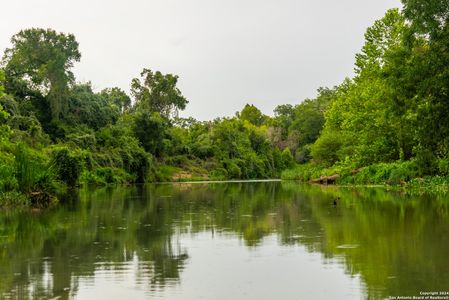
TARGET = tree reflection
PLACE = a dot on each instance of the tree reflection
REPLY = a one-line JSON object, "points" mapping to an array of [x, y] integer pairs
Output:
{"points": [[396, 243]]}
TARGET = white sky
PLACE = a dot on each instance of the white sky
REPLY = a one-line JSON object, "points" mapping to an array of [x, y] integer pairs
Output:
{"points": [[226, 52]]}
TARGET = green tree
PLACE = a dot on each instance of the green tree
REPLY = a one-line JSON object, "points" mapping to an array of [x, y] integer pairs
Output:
{"points": [[117, 97], [3, 114], [427, 16], [39, 61], [96, 110], [284, 115], [157, 92], [361, 123], [252, 114], [2, 79], [67, 166], [386, 34], [309, 116], [151, 131]]}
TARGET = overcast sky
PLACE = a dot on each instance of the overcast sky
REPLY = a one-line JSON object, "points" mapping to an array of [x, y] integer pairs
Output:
{"points": [[226, 52]]}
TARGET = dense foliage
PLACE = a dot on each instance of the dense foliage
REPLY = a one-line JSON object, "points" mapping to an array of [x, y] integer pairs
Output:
{"points": [[389, 120], [57, 133], [388, 124]]}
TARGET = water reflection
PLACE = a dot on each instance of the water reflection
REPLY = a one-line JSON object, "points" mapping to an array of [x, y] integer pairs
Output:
{"points": [[168, 240]]}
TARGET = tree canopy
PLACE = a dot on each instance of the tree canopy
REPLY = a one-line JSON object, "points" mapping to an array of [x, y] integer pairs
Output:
{"points": [[157, 92], [39, 61]]}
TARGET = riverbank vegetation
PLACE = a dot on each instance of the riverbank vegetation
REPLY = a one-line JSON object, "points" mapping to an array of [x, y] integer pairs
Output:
{"points": [[57, 133], [389, 123], [386, 125]]}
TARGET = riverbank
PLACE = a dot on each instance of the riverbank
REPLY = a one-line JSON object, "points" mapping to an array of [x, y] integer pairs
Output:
{"points": [[41, 187], [396, 175]]}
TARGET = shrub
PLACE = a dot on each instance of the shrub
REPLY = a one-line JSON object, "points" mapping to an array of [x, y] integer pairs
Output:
{"points": [[403, 172], [287, 158], [425, 161], [303, 155], [137, 162], [233, 170], [8, 181], [304, 172], [218, 174], [443, 167], [84, 141], [326, 148], [13, 199], [106, 174], [25, 169], [33, 179], [67, 166]]}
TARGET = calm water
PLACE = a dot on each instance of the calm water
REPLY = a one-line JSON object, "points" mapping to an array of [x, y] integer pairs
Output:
{"points": [[267, 240]]}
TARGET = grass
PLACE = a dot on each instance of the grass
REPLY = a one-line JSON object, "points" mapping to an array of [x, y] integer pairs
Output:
{"points": [[13, 199], [395, 174], [28, 181]]}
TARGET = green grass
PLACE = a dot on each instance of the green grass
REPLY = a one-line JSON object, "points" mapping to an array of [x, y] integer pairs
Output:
{"points": [[13, 199], [395, 174]]}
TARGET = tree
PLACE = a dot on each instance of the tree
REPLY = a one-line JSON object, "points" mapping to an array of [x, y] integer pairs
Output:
{"points": [[361, 122], [2, 78], [156, 92], [95, 110], [309, 116], [117, 97], [39, 62], [427, 16], [383, 36], [284, 115], [3, 114], [151, 131], [252, 114]]}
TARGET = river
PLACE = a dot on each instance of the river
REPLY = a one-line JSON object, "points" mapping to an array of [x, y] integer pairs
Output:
{"points": [[235, 240]]}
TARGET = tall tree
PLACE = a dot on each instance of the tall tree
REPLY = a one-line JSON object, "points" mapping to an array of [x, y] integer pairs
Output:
{"points": [[40, 61], [3, 114], [117, 97], [309, 116], [427, 16], [157, 92], [284, 115], [2, 79], [380, 38], [252, 114], [362, 123]]}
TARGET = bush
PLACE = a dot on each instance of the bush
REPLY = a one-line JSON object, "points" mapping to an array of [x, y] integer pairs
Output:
{"points": [[84, 141], [425, 161], [287, 158], [177, 160], [403, 172], [34, 180], [218, 174], [304, 172], [326, 148], [383, 173], [13, 199], [106, 174], [443, 167], [303, 155], [233, 170], [8, 181], [164, 173], [26, 171], [137, 162], [67, 166]]}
